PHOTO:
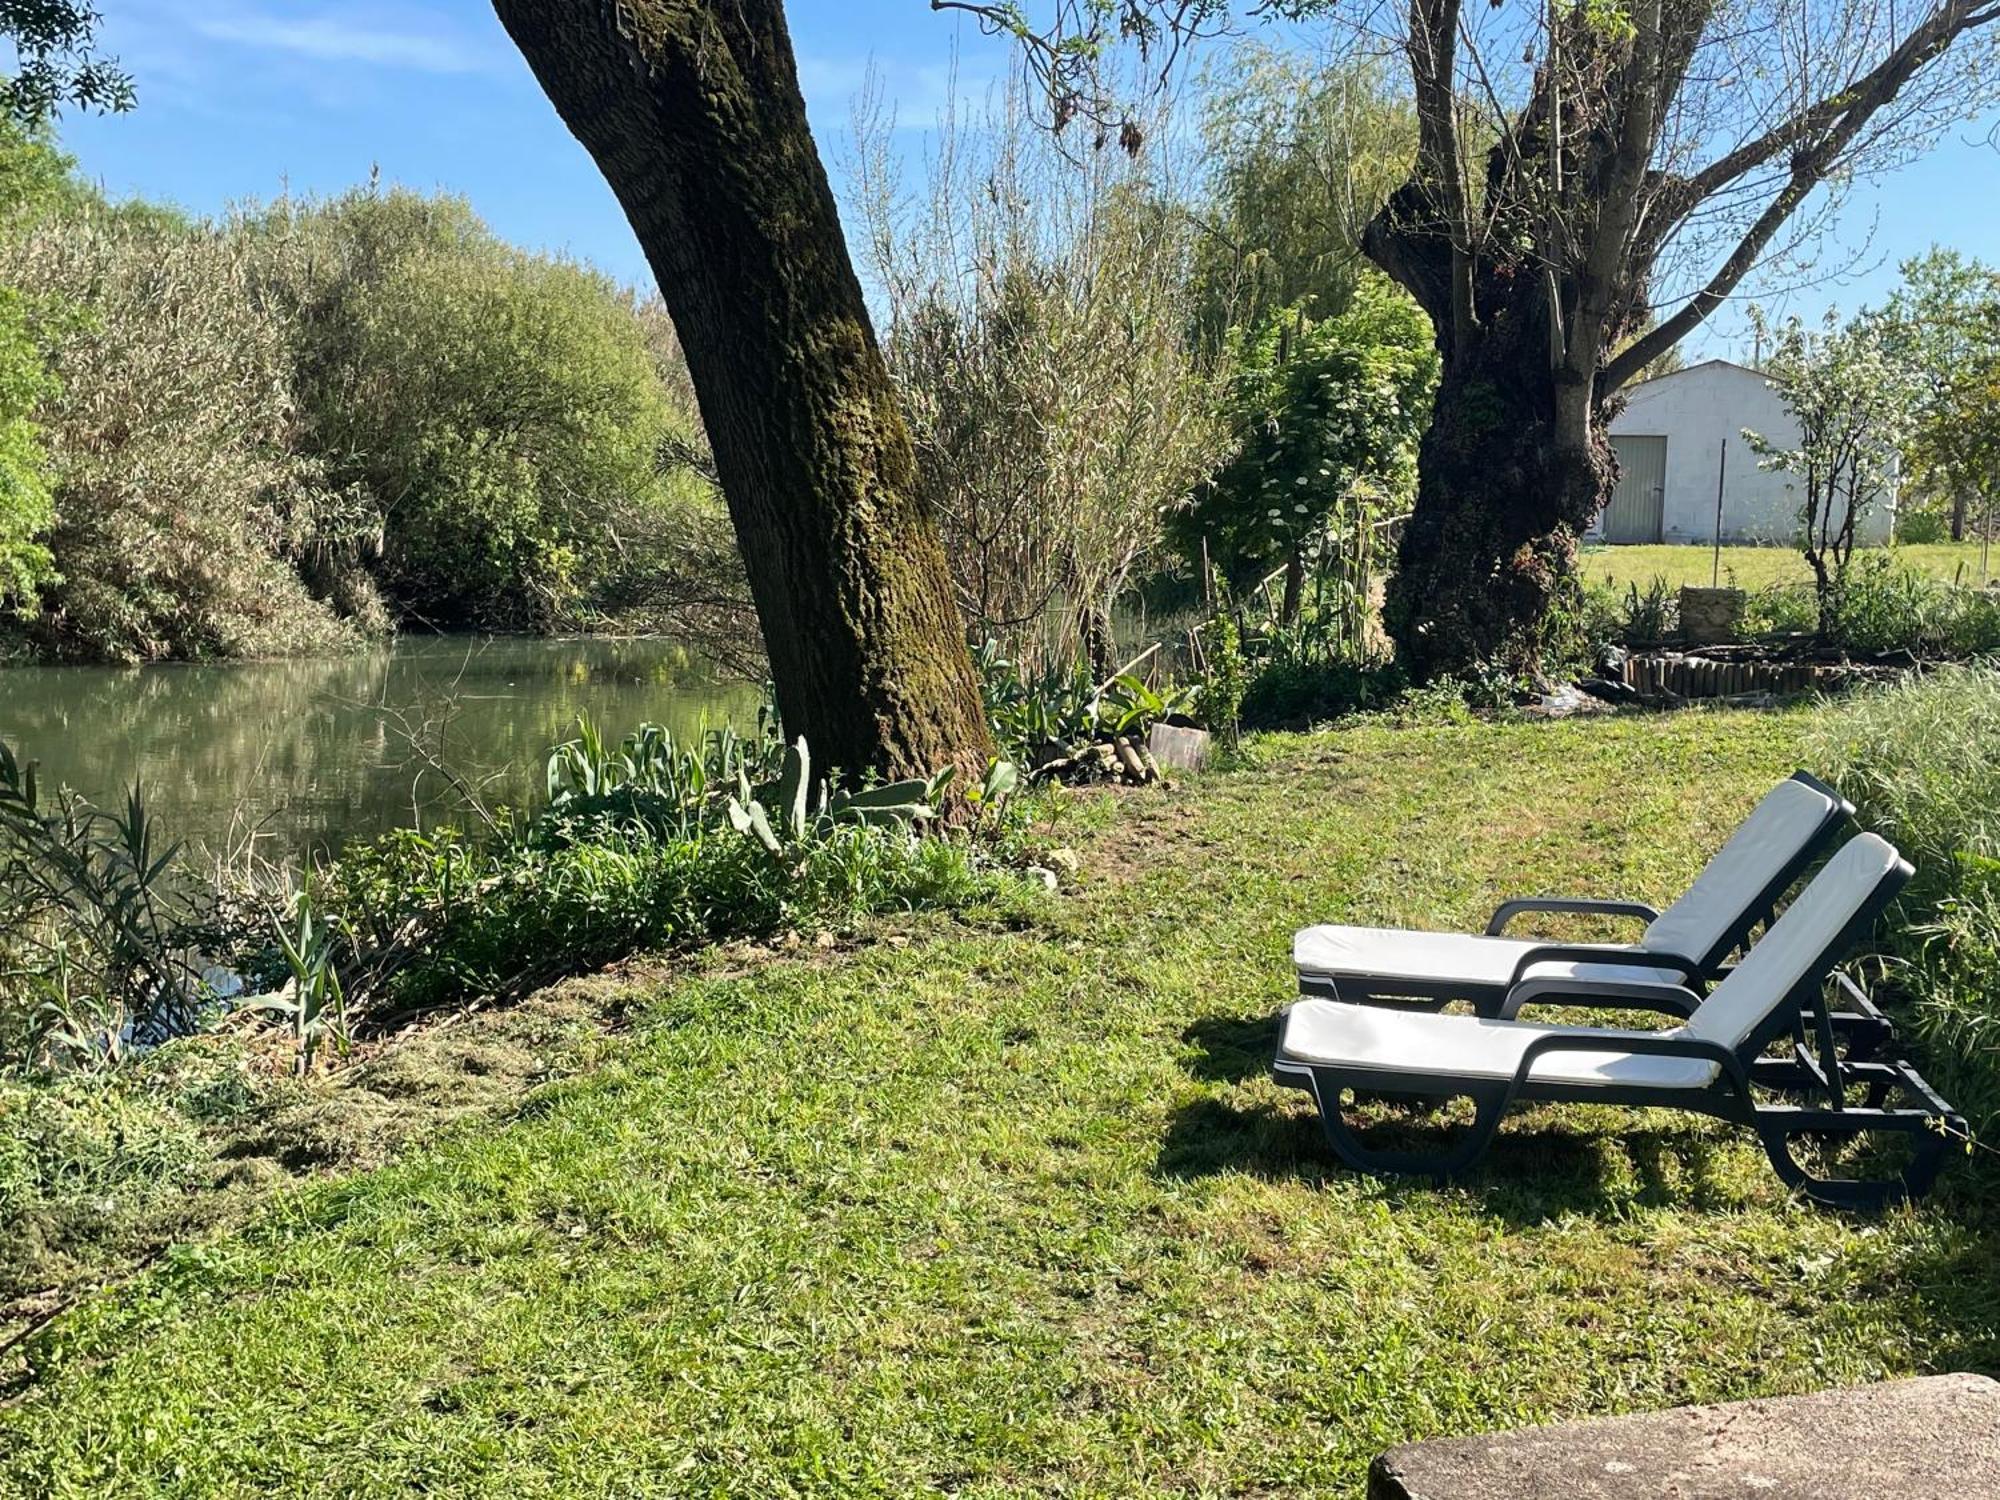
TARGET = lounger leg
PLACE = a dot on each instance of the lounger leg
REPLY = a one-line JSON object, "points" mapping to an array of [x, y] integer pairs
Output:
{"points": [[1489, 1105], [1912, 1182]]}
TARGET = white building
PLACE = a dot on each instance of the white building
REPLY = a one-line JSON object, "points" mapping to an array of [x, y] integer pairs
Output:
{"points": [[1682, 434]]}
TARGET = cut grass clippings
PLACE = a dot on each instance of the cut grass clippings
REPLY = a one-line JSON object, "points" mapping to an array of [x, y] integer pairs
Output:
{"points": [[995, 1212]]}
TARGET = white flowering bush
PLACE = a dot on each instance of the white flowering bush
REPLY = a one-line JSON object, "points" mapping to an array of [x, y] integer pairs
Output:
{"points": [[1856, 405]]}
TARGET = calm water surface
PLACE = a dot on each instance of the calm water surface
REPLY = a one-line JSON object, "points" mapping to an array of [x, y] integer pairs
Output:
{"points": [[312, 753]]}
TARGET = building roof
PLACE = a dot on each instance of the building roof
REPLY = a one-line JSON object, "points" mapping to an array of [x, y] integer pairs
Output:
{"points": [[1707, 364]]}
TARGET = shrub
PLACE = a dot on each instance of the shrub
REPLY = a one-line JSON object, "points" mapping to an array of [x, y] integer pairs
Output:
{"points": [[1889, 607], [1224, 681], [34, 179], [1885, 606], [180, 505], [1324, 414], [1297, 694], [1917, 528], [1036, 321], [26, 506], [502, 919], [649, 843], [258, 428], [1781, 610], [501, 413], [1917, 761], [93, 928], [1048, 716]]}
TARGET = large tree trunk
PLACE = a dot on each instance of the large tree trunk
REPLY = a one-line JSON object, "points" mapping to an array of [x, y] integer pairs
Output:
{"points": [[1510, 473], [692, 110]]}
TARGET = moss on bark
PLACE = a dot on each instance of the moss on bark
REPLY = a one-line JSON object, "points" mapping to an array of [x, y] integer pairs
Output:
{"points": [[692, 110]]}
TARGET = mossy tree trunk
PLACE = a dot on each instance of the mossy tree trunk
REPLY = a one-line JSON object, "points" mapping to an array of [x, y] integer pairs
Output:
{"points": [[692, 110], [1506, 482], [1535, 257]]}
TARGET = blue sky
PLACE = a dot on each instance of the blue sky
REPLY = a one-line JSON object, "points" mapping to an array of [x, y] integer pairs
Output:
{"points": [[244, 98]]}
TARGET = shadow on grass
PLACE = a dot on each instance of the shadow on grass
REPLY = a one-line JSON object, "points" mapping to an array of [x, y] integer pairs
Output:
{"points": [[1230, 1049], [1528, 1177]]}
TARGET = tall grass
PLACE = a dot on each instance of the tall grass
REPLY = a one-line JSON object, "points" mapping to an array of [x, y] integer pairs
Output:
{"points": [[1919, 761]]}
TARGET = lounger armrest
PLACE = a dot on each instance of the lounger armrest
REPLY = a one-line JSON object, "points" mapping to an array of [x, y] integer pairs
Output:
{"points": [[1588, 953], [1613, 994], [1638, 1044], [1506, 911]]}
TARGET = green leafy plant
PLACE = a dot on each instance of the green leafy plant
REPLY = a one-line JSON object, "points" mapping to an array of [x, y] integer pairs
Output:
{"points": [[94, 926], [313, 1002], [797, 808], [1326, 412], [1223, 682], [669, 784], [1917, 760], [1051, 715]]}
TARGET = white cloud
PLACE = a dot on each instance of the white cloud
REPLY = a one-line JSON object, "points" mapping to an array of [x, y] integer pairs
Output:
{"points": [[327, 39]]}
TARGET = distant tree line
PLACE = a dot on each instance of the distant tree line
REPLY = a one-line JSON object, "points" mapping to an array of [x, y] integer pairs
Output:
{"points": [[309, 423]]}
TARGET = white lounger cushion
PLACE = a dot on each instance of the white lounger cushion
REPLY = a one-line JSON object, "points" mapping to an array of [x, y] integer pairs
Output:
{"points": [[1783, 956], [1339, 1034], [1334, 1033], [1764, 843], [1446, 957], [1755, 856]]}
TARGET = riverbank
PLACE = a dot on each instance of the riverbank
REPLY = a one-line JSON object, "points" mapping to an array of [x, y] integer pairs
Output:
{"points": [[1007, 1206], [308, 754]]}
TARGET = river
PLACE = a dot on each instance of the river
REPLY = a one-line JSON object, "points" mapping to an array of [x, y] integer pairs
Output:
{"points": [[310, 754]]}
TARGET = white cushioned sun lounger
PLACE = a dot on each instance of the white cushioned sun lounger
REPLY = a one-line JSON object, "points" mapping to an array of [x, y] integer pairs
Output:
{"points": [[1682, 948], [1712, 1064]]}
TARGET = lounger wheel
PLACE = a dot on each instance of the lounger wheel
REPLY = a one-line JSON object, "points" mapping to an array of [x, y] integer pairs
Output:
{"points": [[1912, 1182], [1488, 1106]]}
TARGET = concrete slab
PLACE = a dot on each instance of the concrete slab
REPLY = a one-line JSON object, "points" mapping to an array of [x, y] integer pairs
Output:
{"points": [[1932, 1439]]}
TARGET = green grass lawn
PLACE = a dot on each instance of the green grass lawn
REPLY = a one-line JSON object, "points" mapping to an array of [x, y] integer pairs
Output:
{"points": [[1760, 567], [1013, 1210]]}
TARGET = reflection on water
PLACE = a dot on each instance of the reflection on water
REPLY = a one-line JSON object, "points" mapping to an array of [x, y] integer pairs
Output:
{"points": [[313, 753]]}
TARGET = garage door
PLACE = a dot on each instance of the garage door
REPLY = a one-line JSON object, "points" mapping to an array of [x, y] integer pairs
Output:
{"points": [[1639, 502]]}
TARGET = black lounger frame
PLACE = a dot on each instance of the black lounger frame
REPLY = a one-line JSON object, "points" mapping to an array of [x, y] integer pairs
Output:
{"points": [[1815, 1068]]}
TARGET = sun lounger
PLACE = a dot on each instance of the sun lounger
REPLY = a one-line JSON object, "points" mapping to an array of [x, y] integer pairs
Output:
{"points": [[1714, 1064], [1683, 948]]}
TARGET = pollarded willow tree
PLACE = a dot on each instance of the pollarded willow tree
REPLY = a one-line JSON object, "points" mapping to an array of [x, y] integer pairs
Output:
{"points": [[692, 110], [1592, 179]]}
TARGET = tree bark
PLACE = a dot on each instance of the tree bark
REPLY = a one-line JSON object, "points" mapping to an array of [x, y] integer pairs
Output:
{"points": [[1505, 485], [692, 110]]}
